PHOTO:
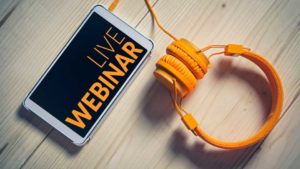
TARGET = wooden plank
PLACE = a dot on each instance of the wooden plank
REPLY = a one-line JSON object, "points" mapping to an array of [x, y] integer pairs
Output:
{"points": [[19, 39], [147, 133], [6, 9], [272, 33], [143, 130], [282, 150], [30, 39]]}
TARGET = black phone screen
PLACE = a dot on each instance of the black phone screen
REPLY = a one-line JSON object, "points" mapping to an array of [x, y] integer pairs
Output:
{"points": [[88, 74]]}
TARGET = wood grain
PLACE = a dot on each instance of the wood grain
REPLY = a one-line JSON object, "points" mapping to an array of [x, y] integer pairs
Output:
{"points": [[143, 131]]}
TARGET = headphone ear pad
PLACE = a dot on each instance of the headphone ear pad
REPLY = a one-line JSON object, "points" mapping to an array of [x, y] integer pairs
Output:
{"points": [[168, 68], [188, 54]]}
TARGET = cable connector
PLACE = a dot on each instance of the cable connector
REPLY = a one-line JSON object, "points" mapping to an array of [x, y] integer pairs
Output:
{"points": [[113, 5], [233, 49], [189, 121]]}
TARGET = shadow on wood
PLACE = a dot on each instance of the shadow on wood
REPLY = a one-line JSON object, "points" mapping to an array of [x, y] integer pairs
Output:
{"points": [[157, 107], [251, 77], [218, 158], [48, 131], [202, 158]]}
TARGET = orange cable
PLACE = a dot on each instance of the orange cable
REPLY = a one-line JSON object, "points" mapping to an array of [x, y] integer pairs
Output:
{"points": [[113, 5], [157, 21]]}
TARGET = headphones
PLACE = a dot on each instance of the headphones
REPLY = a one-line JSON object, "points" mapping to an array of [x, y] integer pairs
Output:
{"points": [[184, 64]]}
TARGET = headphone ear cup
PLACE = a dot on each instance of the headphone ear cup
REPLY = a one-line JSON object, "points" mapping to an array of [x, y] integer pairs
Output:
{"points": [[166, 79], [168, 68], [189, 54]]}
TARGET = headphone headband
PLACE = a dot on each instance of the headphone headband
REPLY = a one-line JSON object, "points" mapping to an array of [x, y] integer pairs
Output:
{"points": [[182, 65], [187, 65], [277, 101]]}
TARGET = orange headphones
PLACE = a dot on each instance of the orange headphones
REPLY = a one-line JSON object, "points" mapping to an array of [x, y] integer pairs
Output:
{"points": [[184, 64]]}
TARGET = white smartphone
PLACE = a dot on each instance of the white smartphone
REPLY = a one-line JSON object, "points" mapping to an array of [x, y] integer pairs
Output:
{"points": [[89, 75]]}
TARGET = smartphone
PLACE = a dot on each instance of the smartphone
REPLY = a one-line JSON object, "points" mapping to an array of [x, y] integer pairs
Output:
{"points": [[89, 74]]}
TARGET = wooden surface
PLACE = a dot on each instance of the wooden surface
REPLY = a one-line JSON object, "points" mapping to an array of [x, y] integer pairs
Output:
{"points": [[143, 131]]}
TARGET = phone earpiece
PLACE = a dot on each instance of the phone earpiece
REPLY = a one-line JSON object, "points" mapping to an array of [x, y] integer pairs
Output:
{"points": [[184, 63]]}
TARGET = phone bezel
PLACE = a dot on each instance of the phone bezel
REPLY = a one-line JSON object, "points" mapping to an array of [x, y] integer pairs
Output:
{"points": [[58, 125]]}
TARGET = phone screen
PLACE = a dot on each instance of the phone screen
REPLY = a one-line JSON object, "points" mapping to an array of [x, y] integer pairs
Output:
{"points": [[88, 74]]}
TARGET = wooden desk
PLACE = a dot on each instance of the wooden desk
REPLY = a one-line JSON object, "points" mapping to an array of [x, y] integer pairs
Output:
{"points": [[143, 131]]}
